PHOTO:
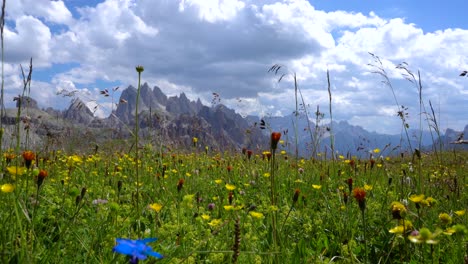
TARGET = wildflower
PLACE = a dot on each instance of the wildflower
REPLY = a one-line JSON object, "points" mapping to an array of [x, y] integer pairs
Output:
{"points": [[266, 155], [40, 177], [205, 217], [194, 141], [228, 207], [296, 195], [156, 207], [424, 236], [7, 188], [139, 68], [368, 187], [211, 206], [256, 215], [458, 228], [215, 222], [275, 137], [300, 170], [16, 171], [376, 150], [180, 184], [429, 201], [266, 174], [230, 187], [460, 212], [403, 227], [9, 157], [417, 198], [28, 157], [136, 249], [360, 195], [249, 154], [445, 218], [317, 187], [218, 181], [398, 210], [229, 168]]}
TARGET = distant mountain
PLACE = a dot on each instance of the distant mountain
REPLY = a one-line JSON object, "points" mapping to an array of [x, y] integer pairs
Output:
{"points": [[352, 140], [174, 121]]}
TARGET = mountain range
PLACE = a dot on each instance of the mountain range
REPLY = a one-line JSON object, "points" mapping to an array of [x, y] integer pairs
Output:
{"points": [[174, 121]]}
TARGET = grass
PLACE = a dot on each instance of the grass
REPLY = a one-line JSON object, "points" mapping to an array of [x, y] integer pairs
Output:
{"points": [[222, 212]]}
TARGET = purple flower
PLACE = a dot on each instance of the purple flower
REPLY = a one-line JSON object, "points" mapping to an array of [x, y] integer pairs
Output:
{"points": [[136, 249]]}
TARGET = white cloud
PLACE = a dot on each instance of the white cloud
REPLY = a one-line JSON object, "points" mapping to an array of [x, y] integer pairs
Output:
{"points": [[199, 47], [50, 11]]}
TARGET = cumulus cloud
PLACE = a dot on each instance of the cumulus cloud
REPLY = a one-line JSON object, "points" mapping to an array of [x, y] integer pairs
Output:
{"points": [[199, 47]]}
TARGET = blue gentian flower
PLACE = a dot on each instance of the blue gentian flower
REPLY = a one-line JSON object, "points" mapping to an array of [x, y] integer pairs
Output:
{"points": [[136, 249]]}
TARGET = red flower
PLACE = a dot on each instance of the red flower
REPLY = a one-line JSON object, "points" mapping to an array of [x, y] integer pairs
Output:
{"points": [[296, 195], [275, 137], [249, 153], [28, 157], [180, 184]]}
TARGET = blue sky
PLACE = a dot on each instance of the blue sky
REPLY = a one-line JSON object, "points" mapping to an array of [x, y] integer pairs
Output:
{"points": [[203, 46]]}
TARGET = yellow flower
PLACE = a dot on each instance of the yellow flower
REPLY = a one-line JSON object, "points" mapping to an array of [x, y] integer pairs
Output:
{"points": [[368, 187], [376, 150], [397, 230], [445, 218], [266, 174], [7, 188], [188, 174], [156, 207], [417, 198], [425, 236], [205, 217], [194, 140], [16, 171], [229, 208], [398, 210], [256, 215], [230, 187], [341, 157], [283, 152], [298, 181], [218, 181], [215, 222], [317, 187], [460, 212]]}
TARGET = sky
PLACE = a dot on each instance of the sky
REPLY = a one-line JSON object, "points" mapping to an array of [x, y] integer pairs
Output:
{"points": [[201, 47]]}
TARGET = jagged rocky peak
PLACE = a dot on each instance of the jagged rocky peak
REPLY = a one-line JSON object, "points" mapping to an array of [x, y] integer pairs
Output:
{"points": [[181, 105], [79, 112], [26, 101], [160, 96]]}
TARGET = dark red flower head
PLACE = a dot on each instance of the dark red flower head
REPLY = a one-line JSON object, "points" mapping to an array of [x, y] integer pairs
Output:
{"points": [[180, 184], [275, 137]]}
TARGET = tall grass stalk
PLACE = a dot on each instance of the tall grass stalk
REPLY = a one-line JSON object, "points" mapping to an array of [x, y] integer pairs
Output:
{"points": [[332, 138], [379, 69], [139, 69], [2, 105]]}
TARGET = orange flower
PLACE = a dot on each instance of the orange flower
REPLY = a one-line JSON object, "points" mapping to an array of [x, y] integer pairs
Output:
{"points": [[28, 157], [40, 177], [360, 195], [275, 137]]}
